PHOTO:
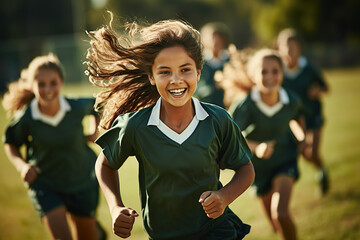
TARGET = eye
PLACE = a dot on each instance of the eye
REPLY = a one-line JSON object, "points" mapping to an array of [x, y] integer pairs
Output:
{"points": [[186, 70], [54, 83], [164, 72], [263, 72], [41, 84]]}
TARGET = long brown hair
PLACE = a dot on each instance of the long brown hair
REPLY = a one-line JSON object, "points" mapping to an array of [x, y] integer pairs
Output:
{"points": [[20, 92], [121, 64]]}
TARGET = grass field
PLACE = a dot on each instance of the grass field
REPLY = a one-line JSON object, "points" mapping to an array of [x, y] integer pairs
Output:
{"points": [[335, 216]]}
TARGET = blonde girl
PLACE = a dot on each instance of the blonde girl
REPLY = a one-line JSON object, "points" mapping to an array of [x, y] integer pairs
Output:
{"points": [[58, 166], [265, 116]]}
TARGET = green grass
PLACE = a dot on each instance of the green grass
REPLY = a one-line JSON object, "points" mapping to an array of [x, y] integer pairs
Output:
{"points": [[335, 216]]}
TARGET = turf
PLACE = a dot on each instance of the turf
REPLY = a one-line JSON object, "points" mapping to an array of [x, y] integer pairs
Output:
{"points": [[335, 216]]}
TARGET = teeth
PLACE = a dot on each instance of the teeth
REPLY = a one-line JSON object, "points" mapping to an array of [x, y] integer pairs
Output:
{"points": [[177, 90]]}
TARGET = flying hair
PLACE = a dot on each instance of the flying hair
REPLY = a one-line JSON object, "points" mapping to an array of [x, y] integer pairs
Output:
{"points": [[121, 63]]}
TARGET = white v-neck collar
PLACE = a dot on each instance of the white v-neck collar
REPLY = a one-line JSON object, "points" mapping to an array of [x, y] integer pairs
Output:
{"points": [[266, 109], [200, 114], [216, 62], [51, 120], [292, 74]]}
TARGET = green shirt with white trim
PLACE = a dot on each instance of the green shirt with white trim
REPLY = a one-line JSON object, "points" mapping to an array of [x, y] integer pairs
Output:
{"points": [[301, 82], [175, 171], [56, 145], [262, 123]]}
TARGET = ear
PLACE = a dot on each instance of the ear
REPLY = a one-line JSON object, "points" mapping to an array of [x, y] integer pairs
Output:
{"points": [[198, 75], [151, 79]]}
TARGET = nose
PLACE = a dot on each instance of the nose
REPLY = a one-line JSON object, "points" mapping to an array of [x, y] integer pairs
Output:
{"points": [[175, 79], [47, 89]]}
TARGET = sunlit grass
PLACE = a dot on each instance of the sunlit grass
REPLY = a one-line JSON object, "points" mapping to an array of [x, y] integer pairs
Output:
{"points": [[335, 216]]}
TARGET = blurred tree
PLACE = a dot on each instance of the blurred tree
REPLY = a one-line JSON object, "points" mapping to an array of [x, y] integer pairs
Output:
{"points": [[30, 28], [318, 20]]}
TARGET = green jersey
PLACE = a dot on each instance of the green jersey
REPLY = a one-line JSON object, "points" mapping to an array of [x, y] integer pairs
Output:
{"points": [[207, 90], [56, 145], [263, 124], [300, 82], [175, 170]]}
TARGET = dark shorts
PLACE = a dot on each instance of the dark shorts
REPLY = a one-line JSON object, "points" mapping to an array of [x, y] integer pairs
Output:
{"points": [[230, 228], [265, 176], [82, 203], [226, 227]]}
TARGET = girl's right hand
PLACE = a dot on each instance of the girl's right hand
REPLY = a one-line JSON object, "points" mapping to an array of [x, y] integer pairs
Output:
{"points": [[265, 150], [123, 220], [29, 173]]}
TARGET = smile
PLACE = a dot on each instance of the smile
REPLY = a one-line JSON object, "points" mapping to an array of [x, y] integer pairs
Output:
{"points": [[177, 92]]}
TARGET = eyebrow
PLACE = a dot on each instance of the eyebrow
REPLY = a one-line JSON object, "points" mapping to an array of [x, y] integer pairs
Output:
{"points": [[165, 67]]}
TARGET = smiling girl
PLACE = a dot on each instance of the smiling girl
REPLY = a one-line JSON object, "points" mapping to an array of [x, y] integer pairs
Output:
{"points": [[265, 115], [180, 143], [58, 168]]}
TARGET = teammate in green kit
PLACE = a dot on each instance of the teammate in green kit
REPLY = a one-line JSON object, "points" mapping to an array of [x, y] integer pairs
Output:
{"points": [[303, 78], [265, 116], [58, 167], [180, 143], [215, 37]]}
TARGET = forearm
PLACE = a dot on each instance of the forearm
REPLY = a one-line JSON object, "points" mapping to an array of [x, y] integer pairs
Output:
{"points": [[108, 179], [93, 125], [241, 181]]}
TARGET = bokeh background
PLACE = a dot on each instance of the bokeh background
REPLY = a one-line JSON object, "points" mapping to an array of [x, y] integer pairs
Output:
{"points": [[331, 30]]}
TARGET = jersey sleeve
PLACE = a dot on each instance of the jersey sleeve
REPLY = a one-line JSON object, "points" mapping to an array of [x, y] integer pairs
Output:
{"points": [[234, 151], [241, 115], [297, 104], [117, 142], [15, 132], [88, 106], [318, 78]]}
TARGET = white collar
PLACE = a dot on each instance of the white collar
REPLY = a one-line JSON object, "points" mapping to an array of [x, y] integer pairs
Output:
{"points": [[216, 62], [293, 73], [264, 108], [51, 120], [200, 114], [256, 97]]}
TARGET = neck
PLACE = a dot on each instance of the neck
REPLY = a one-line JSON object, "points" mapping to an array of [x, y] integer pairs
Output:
{"points": [[270, 98], [50, 109], [177, 118], [293, 64]]}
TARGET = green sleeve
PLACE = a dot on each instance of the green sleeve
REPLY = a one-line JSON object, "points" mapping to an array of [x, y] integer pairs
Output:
{"points": [[297, 104], [88, 105], [318, 78], [16, 133], [117, 142], [234, 151], [242, 114]]}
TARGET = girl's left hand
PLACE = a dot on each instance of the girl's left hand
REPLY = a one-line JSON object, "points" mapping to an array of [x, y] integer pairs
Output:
{"points": [[213, 203], [314, 92]]}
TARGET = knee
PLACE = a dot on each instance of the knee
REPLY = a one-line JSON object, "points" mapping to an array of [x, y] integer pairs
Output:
{"points": [[280, 215]]}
